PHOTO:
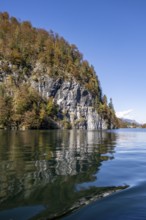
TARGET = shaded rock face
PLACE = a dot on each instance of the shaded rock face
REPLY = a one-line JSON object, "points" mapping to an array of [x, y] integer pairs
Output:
{"points": [[73, 99]]}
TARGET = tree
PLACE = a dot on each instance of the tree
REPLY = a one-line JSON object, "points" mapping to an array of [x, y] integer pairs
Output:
{"points": [[31, 120], [104, 100], [51, 108], [5, 111], [111, 106]]}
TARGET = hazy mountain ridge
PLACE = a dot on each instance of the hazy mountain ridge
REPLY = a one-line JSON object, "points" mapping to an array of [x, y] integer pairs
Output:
{"points": [[130, 121]]}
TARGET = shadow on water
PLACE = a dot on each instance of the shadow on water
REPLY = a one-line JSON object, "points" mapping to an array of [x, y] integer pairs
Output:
{"points": [[40, 170]]}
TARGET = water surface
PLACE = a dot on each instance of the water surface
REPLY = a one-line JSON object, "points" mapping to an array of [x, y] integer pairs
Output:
{"points": [[127, 167], [44, 173]]}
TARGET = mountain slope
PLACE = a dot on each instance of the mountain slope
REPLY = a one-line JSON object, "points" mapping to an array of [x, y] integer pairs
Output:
{"points": [[45, 83]]}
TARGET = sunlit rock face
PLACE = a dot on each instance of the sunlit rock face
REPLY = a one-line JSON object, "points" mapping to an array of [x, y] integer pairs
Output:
{"points": [[76, 103], [73, 99]]}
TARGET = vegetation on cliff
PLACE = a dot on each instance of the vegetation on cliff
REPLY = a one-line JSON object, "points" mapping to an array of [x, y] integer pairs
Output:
{"points": [[21, 48]]}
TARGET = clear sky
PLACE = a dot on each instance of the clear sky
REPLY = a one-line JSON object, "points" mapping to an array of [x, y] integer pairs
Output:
{"points": [[111, 34]]}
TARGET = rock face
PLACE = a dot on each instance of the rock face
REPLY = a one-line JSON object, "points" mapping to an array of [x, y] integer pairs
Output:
{"points": [[73, 100], [76, 103]]}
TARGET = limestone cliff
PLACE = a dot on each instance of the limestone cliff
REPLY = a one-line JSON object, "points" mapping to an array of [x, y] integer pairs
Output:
{"points": [[73, 100], [76, 103]]}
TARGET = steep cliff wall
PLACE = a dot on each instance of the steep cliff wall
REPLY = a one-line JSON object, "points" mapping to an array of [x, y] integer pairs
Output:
{"points": [[73, 100]]}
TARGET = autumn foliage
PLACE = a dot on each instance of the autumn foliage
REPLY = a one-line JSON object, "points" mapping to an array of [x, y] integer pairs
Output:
{"points": [[21, 47]]}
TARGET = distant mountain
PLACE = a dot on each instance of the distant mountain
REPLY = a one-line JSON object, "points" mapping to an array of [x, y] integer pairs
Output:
{"points": [[130, 121]]}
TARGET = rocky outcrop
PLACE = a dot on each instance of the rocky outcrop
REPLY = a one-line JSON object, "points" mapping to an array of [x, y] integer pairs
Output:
{"points": [[76, 104]]}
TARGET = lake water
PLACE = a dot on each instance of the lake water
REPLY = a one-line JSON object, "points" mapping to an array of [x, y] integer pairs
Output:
{"points": [[45, 173]]}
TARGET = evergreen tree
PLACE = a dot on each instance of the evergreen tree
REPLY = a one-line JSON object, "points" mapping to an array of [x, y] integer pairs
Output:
{"points": [[111, 106]]}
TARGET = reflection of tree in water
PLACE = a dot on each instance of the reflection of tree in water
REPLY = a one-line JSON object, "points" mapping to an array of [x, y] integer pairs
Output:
{"points": [[45, 166]]}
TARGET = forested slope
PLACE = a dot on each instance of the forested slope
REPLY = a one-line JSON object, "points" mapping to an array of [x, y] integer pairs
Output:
{"points": [[46, 83]]}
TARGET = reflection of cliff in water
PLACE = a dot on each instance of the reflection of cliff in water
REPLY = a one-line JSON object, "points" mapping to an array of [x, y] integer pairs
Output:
{"points": [[45, 164], [75, 153]]}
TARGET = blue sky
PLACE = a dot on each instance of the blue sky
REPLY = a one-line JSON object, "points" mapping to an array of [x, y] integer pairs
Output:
{"points": [[111, 34]]}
